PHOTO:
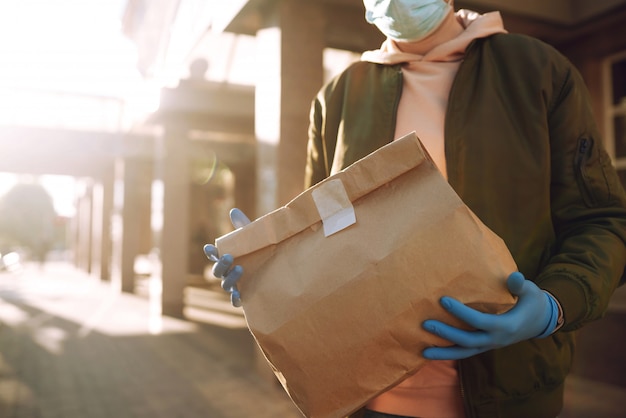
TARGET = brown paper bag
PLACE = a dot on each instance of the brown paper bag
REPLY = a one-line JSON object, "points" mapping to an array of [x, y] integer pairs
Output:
{"points": [[337, 283]]}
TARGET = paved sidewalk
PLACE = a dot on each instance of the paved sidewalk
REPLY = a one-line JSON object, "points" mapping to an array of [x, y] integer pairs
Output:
{"points": [[71, 347]]}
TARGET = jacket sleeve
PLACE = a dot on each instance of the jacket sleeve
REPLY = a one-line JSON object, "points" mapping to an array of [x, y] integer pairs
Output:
{"points": [[352, 116], [588, 206], [316, 161]]}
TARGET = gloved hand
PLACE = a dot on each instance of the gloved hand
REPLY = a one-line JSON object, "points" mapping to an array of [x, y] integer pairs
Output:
{"points": [[222, 267], [534, 315]]}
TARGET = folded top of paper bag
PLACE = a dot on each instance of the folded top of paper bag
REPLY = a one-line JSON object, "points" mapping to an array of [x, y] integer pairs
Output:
{"points": [[332, 196]]}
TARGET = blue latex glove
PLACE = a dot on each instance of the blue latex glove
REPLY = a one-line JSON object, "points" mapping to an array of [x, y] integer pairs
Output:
{"points": [[534, 315], [223, 267]]}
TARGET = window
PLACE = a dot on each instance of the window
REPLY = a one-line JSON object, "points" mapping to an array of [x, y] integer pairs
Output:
{"points": [[615, 121]]}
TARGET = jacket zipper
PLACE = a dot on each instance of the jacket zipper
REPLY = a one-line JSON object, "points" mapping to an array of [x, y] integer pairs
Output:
{"points": [[582, 155], [583, 146], [462, 389], [398, 95]]}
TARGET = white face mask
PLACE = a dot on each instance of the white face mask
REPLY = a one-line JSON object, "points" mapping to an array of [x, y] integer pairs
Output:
{"points": [[406, 20]]}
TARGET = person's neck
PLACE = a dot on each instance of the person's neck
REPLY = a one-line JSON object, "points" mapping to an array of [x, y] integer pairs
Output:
{"points": [[449, 29]]}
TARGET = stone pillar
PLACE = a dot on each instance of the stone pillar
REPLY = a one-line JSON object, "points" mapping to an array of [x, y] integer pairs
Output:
{"points": [[97, 216], [117, 223], [108, 179], [245, 189], [290, 72], [174, 246], [83, 230], [136, 217]]}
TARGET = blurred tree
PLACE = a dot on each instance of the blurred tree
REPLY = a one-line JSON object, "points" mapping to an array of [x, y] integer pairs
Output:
{"points": [[27, 219]]}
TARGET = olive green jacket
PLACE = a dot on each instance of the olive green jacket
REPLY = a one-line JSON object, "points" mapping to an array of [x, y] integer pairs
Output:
{"points": [[523, 152]]}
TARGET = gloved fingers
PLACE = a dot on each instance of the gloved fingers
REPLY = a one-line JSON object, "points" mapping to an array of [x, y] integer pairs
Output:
{"points": [[235, 298], [223, 265], [229, 284], [472, 317], [530, 297], [516, 283], [451, 353], [211, 253], [231, 278], [238, 218], [460, 337]]}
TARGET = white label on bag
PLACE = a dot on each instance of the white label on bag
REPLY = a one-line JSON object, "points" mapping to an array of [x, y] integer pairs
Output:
{"points": [[334, 206]]}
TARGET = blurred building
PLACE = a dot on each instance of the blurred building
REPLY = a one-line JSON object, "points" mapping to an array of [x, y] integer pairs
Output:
{"points": [[238, 77]]}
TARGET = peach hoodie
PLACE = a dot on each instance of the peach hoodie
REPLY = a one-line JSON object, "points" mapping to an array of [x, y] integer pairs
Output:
{"points": [[429, 70]]}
